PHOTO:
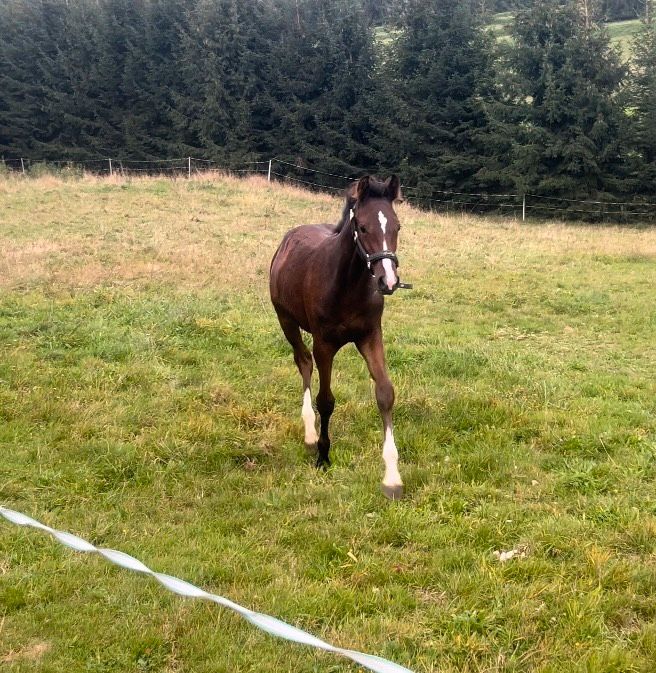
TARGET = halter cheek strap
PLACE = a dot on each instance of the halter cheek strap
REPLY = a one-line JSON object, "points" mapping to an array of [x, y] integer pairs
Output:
{"points": [[369, 259]]}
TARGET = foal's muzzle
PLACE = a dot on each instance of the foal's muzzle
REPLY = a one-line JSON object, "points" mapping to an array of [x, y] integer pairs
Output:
{"points": [[383, 286]]}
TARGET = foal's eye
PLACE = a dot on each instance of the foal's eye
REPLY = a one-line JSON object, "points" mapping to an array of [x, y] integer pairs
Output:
{"points": [[363, 229]]}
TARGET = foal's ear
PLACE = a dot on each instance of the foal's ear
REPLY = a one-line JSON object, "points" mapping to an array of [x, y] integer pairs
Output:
{"points": [[393, 188], [362, 188]]}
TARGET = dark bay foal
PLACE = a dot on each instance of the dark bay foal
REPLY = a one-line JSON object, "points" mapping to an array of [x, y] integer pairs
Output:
{"points": [[330, 281]]}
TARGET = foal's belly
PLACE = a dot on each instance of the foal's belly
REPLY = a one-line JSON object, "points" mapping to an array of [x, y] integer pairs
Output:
{"points": [[342, 334], [346, 323]]}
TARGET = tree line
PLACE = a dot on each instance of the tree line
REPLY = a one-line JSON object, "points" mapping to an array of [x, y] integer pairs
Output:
{"points": [[344, 86]]}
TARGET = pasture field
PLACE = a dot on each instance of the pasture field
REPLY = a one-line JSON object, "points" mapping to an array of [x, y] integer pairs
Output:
{"points": [[500, 25], [621, 32], [149, 403]]}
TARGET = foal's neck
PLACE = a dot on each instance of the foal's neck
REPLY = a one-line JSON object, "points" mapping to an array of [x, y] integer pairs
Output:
{"points": [[352, 271]]}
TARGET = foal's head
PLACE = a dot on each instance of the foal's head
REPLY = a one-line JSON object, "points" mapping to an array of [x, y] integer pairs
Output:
{"points": [[376, 227]]}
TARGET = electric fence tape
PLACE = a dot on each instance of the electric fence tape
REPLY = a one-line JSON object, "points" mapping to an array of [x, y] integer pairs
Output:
{"points": [[270, 625]]}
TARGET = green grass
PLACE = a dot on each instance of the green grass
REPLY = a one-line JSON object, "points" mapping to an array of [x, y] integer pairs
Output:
{"points": [[149, 403], [385, 35], [500, 25], [622, 34]]}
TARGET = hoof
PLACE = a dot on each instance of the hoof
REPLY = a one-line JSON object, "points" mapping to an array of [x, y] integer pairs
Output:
{"points": [[394, 492], [323, 463]]}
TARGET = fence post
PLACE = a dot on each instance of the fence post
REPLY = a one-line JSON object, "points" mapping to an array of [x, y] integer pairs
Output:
{"points": [[22, 165], [189, 167], [111, 172], [269, 174], [524, 208]]}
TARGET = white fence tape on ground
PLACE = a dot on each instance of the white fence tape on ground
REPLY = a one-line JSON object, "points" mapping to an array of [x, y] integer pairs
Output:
{"points": [[270, 625]]}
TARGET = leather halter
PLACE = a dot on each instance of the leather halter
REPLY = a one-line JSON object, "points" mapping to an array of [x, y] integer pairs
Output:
{"points": [[370, 258]]}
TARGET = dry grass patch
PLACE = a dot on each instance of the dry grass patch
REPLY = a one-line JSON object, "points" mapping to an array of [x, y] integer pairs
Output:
{"points": [[206, 231], [33, 652], [220, 232]]}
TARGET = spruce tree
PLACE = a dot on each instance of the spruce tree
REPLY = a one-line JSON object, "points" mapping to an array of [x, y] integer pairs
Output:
{"points": [[641, 100], [73, 91], [28, 52], [151, 79], [324, 79], [570, 126], [220, 61], [443, 69]]}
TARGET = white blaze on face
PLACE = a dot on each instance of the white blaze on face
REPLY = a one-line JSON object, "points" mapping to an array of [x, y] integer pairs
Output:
{"points": [[390, 275], [391, 458], [383, 224], [307, 414]]}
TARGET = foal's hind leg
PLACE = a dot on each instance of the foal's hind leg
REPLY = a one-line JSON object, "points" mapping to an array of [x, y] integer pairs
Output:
{"points": [[303, 360], [372, 351]]}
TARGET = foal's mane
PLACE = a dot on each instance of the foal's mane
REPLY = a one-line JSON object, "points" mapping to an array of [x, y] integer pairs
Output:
{"points": [[376, 189], [346, 211]]}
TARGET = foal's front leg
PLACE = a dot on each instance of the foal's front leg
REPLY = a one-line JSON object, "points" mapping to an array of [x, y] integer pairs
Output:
{"points": [[324, 354], [372, 351]]}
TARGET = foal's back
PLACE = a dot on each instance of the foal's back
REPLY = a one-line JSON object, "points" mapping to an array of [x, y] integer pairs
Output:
{"points": [[298, 246]]}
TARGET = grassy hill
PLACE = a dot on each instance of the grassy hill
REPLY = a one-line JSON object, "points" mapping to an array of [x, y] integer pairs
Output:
{"points": [[621, 32], [500, 25], [149, 403]]}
